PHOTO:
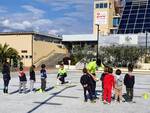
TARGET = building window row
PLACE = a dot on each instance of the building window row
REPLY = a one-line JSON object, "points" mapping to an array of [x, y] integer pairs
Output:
{"points": [[102, 5], [26, 56]]}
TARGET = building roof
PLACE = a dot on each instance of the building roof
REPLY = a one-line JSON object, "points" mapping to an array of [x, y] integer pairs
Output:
{"points": [[77, 38], [31, 33]]}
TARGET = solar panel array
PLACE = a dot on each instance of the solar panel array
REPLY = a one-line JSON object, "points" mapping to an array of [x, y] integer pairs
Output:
{"points": [[135, 17]]}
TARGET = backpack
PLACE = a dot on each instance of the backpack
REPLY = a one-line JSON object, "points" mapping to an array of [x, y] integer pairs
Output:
{"points": [[119, 81]]}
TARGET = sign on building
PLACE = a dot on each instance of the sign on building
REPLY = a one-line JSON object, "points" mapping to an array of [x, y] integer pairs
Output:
{"points": [[129, 39], [101, 17]]}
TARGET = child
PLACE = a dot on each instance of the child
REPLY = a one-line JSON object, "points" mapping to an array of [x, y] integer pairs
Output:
{"points": [[43, 77], [86, 82], [32, 77], [108, 85], [102, 78], [6, 76], [129, 81], [23, 80], [118, 85], [62, 73]]}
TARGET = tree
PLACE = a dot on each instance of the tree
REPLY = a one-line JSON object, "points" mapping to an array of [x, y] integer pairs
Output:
{"points": [[7, 52], [121, 54]]}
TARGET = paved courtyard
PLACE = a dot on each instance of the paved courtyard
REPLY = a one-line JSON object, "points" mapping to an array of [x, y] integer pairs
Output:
{"points": [[69, 98]]}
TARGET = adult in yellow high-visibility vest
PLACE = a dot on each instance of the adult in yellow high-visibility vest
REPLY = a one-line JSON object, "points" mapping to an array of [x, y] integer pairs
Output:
{"points": [[92, 67]]}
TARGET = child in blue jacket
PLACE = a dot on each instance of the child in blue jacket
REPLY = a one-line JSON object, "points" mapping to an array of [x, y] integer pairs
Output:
{"points": [[43, 77]]}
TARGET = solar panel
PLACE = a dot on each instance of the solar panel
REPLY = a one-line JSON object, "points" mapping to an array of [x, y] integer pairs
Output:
{"points": [[135, 18]]}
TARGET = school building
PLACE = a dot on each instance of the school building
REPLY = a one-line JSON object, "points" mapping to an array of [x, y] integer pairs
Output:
{"points": [[33, 48]]}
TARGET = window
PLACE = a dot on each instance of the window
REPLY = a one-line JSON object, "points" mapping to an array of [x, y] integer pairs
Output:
{"points": [[135, 7], [105, 5], [22, 56], [110, 5], [124, 21], [139, 26], [134, 11], [132, 16], [123, 26], [101, 5], [136, 17], [125, 16], [129, 3], [26, 56], [137, 30], [132, 20], [148, 10], [24, 51], [130, 26], [129, 31], [147, 25], [97, 6], [140, 20], [147, 20], [142, 11], [126, 12], [148, 15], [143, 6], [30, 56]]}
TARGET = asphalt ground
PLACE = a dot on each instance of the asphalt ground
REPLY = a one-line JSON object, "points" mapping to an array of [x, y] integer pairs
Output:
{"points": [[68, 98]]}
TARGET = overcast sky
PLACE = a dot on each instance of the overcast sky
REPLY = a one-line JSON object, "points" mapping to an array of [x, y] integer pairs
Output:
{"points": [[47, 16]]}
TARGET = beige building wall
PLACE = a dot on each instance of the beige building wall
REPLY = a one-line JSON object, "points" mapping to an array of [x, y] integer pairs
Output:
{"points": [[103, 16], [22, 43], [43, 50]]}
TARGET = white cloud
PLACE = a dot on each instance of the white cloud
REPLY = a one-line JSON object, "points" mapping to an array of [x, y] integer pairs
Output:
{"points": [[33, 9], [16, 25], [41, 22], [55, 31], [76, 17], [7, 30]]}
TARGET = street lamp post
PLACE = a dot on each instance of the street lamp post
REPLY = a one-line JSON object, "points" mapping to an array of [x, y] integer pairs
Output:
{"points": [[146, 42], [146, 45], [97, 40]]}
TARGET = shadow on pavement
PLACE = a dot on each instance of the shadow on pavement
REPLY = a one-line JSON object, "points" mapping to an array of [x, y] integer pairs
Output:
{"points": [[66, 96], [47, 103], [54, 95]]}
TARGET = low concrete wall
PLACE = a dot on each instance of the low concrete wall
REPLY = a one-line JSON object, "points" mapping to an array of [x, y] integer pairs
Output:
{"points": [[145, 66], [72, 67]]}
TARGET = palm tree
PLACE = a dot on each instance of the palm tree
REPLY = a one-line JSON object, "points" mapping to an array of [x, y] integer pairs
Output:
{"points": [[7, 52]]}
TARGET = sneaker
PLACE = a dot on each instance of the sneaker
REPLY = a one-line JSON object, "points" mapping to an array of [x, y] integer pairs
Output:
{"points": [[85, 100], [93, 101], [97, 98], [105, 102], [4, 91], [108, 103]]}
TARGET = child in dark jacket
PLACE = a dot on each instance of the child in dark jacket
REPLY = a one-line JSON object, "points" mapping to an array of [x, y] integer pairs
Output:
{"points": [[23, 80], [86, 82], [32, 77], [129, 81], [6, 76], [109, 83], [43, 77]]}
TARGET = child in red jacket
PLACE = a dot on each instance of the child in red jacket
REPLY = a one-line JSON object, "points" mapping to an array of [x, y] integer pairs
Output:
{"points": [[109, 83]]}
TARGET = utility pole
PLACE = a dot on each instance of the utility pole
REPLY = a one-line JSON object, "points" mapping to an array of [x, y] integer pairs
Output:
{"points": [[97, 40], [146, 42]]}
